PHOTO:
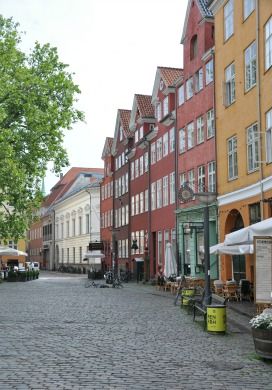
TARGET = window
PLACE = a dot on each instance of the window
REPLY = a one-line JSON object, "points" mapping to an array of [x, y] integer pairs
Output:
{"points": [[62, 230], [201, 178], [190, 135], [228, 20], [67, 251], [172, 140], [159, 247], [209, 72], [136, 168], [254, 213], [189, 88], [146, 200], [136, 136], [200, 129], [141, 132], [153, 196], [141, 165], [232, 158], [268, 118], [87, 224], [165, 106], [146, 162], [165, 144], [74, 254], [193, 47], [172, 188], [210, 123], [181, 98], [268, 44], [165, 191], [249, 6], [132, 170], [159, 148], [73, 227], [191, 179], [182, 140], [132, 206], [121, 134], [158, 112], [153, 153], [252, 148], [137, 204], [182, 179], [159, 193], [250, 66], [126, 216], [67, 228], [211, 177], [199, 80], [230, 84], [141, 202]]}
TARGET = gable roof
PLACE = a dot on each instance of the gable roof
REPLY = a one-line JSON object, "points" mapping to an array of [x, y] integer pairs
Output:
{"points": [[65, 182], [107, 147], [169, 76], [122, 119], [205, 11], [142, 103]]}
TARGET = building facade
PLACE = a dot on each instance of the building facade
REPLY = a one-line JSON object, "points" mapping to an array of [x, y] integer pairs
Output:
{"points": [[243, 76]]}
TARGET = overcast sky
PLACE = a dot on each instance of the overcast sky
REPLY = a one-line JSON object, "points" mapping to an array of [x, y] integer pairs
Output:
{"points": [[113, 47]]}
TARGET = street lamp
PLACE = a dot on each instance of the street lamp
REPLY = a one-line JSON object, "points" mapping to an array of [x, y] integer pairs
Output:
{"points": [[186, 194]]}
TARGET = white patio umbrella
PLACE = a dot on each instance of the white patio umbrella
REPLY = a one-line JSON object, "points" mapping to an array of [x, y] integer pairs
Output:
{"points": [[221, 248], [170, 265], [245, 235], [6, 251], [94, 257]]}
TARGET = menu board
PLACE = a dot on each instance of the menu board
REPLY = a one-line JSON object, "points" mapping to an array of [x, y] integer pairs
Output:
{"points": [[263, 269]]}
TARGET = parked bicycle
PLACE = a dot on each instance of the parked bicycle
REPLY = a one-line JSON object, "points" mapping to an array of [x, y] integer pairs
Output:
{"points": [[90, 283], [117, 283]]}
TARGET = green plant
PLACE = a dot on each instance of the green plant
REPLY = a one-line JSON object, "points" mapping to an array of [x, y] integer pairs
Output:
{"points": [[262, 321]]}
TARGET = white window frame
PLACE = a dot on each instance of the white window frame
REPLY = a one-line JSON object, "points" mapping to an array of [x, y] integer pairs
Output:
{"points": [[132, 211], [189, 88], [253, 140], [268, 138], [232, 158], [172, 187], [268, 44], [146, 200], [182, 179], [165, 196], [136, 168], [172, 140], [153, 153], [209, 72], [159, 149], [153, 196], [191, 179], [132, 170], [165, 144], [230, 84], [165, 106], [201, 178], [141, 202], [181, 95], [199, 80], [159, 193], [210, 123], [200, 129], [249, 7], [228, 20], [158, 111], [190, 135], [211, 176], [141, 159], [182, 140], [146, 162], [250, 66]]}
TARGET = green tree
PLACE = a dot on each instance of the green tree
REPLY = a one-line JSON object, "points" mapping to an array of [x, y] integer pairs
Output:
{"points": [[37, 104]]}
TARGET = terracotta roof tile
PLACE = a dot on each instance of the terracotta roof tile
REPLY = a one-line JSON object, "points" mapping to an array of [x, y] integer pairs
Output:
{"points": [[125, 119], [145, 106], [170, 75]]}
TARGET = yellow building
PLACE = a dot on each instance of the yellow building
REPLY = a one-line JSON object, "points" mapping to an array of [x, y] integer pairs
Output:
{"points": [[12, 259], [243, 96]]}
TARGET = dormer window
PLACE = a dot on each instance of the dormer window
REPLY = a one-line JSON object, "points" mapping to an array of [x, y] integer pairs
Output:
{"points": [[158, 112], [193, 47], [141, 132], [136, 136], [121, 133]]}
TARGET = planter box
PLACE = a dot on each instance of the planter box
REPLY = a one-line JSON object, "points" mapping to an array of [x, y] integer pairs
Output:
{"points": [[263, 342]]}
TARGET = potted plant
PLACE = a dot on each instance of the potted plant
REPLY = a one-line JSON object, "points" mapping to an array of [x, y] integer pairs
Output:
{"points": [[261, 326]]}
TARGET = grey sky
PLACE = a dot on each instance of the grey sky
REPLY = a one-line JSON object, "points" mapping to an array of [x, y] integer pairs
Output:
{"points": [[113, 46]]}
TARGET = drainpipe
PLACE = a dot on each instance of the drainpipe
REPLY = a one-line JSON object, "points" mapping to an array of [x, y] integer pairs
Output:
{"points": [[149, 213], [259, 108], [176, 184]]}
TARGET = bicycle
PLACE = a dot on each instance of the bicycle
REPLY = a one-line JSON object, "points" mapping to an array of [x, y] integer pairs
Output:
{"points": [[90, 283], [117, 283], [179, 290]]}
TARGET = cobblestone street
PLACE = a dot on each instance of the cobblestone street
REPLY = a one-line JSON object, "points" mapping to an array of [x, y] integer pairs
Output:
{"points": [[56, 334]]}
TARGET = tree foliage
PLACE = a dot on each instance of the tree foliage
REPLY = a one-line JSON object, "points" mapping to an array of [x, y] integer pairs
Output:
{"points": [[37, 105]]}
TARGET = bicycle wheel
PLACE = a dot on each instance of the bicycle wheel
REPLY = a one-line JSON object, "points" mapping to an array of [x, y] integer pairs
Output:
{"points": [[177, 298], [88, 283]]}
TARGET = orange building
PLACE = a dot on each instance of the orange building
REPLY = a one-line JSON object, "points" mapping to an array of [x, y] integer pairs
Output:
{"points": [[243, 79]]}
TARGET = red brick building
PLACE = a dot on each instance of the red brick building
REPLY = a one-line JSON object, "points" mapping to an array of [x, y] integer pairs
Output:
{"points": [[163, 167], [196, 134], [142, 124], [106, 203], [120, 233]]}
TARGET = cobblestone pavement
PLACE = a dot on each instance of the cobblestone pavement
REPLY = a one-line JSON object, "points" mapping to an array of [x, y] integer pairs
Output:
{"points": [[56, 334]]}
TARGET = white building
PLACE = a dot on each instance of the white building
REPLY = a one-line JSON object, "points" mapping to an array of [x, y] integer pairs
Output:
{"points": [[77, 221]]}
